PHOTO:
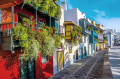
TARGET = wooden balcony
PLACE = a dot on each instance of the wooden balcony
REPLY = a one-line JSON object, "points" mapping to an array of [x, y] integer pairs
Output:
{"points": [[6, 42], [84, 23]]}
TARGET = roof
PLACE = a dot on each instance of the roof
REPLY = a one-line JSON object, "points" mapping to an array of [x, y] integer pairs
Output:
{"points": [[9, 3]]}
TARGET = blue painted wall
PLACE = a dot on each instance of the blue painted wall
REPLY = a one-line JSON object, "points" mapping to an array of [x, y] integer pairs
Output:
{"points": [[57, 26], [93, 35]]}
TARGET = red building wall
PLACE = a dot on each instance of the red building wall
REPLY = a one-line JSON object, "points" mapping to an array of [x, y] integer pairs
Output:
{"points": [[10, 65], [44, 71]]}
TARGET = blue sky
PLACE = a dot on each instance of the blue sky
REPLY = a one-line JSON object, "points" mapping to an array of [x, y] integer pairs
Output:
{"points": [[104, 12]]}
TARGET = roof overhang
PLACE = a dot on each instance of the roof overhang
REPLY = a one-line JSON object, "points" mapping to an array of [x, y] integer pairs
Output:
{"points": [[9, 3], [70, 22]]}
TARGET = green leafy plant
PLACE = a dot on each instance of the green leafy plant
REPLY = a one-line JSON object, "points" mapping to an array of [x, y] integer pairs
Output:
{"points": [[57, 40], [96, 39], [48, 6], [104, 38], [76, 34], [89, 28], [55, 29], [34, 41], [48, 45]]}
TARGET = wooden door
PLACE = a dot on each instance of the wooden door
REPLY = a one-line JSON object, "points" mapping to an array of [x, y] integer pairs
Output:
{"points": [[82, 52], [76, 54], [27, 69], [60, 60]]}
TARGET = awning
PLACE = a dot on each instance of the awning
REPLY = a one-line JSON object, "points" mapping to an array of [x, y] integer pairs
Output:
{"points": [[9, 3]]}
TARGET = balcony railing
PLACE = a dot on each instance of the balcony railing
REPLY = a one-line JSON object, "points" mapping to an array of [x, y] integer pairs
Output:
{"points": [[88, 31], [95, 33], [5, 28]]}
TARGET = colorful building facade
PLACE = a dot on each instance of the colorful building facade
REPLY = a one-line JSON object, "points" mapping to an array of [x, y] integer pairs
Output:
{"points": [[11, 67], [84, 23]]}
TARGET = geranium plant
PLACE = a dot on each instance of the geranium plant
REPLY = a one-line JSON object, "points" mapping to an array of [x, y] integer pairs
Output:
{"points": [[34, 41]]}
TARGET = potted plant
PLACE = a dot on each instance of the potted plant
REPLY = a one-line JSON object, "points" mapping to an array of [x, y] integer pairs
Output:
{"points": [[55, 30]]}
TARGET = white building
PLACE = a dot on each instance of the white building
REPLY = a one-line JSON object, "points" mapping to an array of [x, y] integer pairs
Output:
{"points": [[110, 33], [75, 15]]}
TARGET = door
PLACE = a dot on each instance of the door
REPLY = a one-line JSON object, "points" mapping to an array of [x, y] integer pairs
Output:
{"points": [[82, 52], [76, 54], [31, 69], [60, 60], [27, 69], [85, 52], [23, 69]]}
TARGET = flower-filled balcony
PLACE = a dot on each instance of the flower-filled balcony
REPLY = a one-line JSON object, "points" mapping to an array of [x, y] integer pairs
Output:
{"points": [[93, 38], [86, 26], [72, 32]]}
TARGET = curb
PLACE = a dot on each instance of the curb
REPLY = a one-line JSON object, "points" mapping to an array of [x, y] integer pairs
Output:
{"points": [[107, 73]]}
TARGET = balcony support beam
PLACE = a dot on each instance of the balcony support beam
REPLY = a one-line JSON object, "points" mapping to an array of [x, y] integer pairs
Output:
{"points": [[12, 46]]}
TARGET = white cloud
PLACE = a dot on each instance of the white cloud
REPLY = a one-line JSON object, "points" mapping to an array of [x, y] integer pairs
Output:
{"points": [[100, 13], [109, 23]]}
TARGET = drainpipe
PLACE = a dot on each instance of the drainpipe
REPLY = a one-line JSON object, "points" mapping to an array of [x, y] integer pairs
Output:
{"points": [[12, 46]]}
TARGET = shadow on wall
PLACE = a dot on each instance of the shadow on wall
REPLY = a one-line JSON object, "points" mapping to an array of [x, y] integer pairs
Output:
{"points": [[66, 60], [44, 71], [10, 67]]}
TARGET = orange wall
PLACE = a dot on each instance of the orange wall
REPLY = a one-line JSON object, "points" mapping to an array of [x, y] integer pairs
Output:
{"points": [[6, 15]]}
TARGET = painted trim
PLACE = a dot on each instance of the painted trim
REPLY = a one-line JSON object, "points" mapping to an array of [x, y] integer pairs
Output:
{"points": [[69, 22]]}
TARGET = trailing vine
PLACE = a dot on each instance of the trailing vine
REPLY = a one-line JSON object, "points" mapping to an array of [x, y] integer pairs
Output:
{"points": [[89, 28], [34, 41], [76, 34], [104, 38], [48, 6], [96, 39]]}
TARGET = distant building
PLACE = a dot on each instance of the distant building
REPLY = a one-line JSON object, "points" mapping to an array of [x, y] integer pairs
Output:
{"points": [[111, 34]]}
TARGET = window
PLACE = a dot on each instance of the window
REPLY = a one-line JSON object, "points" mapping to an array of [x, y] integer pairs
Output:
{"points": [[20, 16], [44, 59]]}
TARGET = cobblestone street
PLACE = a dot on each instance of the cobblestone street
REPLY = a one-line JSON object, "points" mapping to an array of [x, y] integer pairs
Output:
{"points": [[89, 68]]}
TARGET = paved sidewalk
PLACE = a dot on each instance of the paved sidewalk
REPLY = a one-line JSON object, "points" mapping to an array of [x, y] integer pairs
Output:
{"points": [[89, 68], [114, 55]]}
